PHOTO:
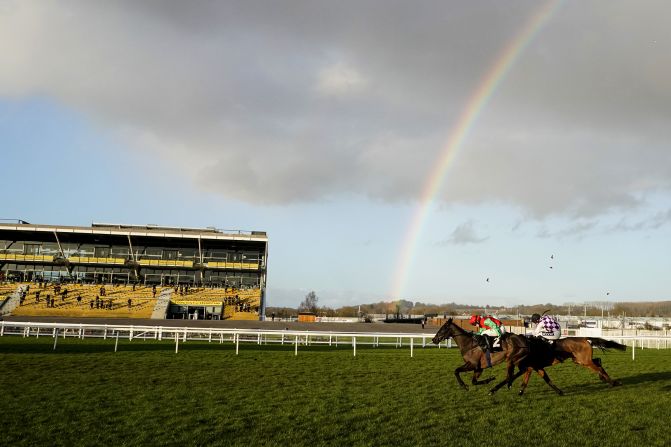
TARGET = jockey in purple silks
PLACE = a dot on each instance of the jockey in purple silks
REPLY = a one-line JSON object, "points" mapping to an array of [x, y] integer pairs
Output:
{"points": [[546, 326]]}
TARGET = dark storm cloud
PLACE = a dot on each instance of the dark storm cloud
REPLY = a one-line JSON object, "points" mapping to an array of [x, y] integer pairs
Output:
{"points": [[464, 234], [278, 102]]}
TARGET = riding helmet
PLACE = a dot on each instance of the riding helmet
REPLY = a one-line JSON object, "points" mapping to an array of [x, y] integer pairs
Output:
{"points": [[535, 318], [474, 320]]}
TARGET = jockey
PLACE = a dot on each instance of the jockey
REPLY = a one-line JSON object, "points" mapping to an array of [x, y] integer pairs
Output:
{"points": [[546, 326], [488, 325]]}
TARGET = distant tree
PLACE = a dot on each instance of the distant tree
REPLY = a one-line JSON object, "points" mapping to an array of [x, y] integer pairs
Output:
{"points": [[309, 304]]}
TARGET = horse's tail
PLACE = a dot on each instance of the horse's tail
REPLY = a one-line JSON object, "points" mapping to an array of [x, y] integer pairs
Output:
{"points": [[604, 345]]}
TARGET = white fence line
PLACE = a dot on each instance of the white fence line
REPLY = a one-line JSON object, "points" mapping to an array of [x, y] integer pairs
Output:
{"points": [[259, 337], [236, 336]]}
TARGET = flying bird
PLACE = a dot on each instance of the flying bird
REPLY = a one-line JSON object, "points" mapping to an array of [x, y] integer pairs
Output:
{"points": [[487, 279]]}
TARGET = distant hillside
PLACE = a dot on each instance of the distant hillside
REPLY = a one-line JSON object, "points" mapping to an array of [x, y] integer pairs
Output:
{"points": [[404, 307]]}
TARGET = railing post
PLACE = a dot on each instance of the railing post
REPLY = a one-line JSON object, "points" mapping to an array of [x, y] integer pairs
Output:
{"points": [[296, 345], [176, 342], [116, 343], [55, 338], [354, 345], [237, 342], [412, 342]]}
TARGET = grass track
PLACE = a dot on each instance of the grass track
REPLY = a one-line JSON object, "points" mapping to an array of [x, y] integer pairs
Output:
{"points": [[145, 394]]}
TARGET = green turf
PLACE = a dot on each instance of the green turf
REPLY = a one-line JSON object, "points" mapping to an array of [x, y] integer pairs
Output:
{"points": [[145, 394]]}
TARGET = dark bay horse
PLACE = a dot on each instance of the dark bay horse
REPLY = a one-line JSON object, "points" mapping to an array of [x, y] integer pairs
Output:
{"points": [[533, 354], [528, 354], [474, 357]]}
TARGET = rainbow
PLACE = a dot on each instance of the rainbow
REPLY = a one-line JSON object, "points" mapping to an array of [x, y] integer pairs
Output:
{"points": [[476, 103]]}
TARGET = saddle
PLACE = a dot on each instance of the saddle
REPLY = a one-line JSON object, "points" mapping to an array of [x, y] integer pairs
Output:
{"points": [[486, 343]]}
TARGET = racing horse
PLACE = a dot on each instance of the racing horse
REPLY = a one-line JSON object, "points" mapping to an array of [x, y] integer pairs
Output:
{"points": [[534, 354], [528, 354], [474, 357]]}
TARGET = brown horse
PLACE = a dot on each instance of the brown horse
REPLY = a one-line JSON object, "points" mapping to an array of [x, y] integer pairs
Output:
{"points": [[474, 357], [528, 354], [534, 354]]}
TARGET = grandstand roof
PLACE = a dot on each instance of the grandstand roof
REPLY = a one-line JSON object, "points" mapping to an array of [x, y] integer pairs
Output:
{"points": [[141, 230]]}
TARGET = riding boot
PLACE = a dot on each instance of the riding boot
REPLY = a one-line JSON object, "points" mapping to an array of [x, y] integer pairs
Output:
{"points": [[482, 342], [488, 343]]}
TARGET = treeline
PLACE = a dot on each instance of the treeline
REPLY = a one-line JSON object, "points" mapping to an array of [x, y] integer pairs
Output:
{"points": [[404, 307]]}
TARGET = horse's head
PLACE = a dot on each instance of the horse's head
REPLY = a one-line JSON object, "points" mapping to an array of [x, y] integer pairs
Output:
{"points": [[446, 331]]}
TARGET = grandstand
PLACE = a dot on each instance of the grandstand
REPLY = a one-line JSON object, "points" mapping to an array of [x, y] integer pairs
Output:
{"points": [[137, 271]]}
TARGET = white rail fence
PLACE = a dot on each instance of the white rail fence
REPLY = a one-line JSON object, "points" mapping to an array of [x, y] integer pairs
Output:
{"points": [[256, 336]]}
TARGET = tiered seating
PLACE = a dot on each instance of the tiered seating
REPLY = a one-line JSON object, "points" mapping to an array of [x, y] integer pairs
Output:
{"points": [[113, 304], [8, 288], [240, 304]]}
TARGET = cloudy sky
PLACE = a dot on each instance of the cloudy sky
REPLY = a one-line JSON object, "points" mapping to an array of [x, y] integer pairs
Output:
{"points": [[321, 123]]}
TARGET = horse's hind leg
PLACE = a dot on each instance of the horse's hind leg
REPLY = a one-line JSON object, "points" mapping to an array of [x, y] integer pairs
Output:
{"points": [[476, 375], [595, 365], [541, 372]]}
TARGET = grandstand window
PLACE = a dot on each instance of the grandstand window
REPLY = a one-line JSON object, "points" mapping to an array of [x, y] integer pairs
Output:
{"points": [[49, 248], [152, 253], [31, 249], [187, 253], [170, 254], [85, 250], [69, 249], [7, 246], [117, 251], [101, 252]]}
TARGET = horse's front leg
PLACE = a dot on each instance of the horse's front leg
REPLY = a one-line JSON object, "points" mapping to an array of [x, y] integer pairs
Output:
{"points": [[463, 368], [541, 372], [525, 381], [510, 369], [506, 381]]}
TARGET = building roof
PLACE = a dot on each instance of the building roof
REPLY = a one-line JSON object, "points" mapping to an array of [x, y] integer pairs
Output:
{"points": [[141, 230]]}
